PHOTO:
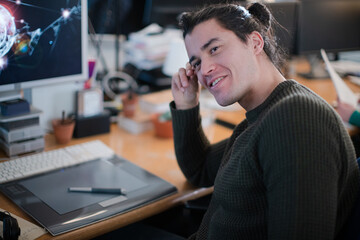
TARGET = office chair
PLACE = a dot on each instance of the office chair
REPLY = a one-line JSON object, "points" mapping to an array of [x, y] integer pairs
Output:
{"points": [[352, 231]]}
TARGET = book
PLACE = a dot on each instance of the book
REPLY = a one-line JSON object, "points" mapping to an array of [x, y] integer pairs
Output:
{"points": [[156, 102], [137, 124]]}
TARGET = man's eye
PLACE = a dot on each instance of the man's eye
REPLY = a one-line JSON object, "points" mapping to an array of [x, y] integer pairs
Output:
{"points": [[212, 50], [196, 64]]}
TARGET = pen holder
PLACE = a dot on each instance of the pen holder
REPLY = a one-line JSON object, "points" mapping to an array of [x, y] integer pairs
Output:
{"points": [[63, 130], [129, 102]]}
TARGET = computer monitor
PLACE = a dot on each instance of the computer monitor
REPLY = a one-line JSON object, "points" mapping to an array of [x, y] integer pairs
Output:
{"points": [[165, 12], [43, 42], [116, 16], [333, 25], [286, 14]]}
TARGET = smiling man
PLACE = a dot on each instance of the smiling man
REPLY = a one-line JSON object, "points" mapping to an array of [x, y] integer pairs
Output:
{"points": [[288, 171]]}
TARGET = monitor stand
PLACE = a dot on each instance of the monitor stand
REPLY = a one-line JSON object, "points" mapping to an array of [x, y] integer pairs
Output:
{"points": [[10, 95], [317, 68]]}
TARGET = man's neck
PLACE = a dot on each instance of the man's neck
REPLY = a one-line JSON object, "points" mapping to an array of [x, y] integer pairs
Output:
{"points": [[268, 79]]}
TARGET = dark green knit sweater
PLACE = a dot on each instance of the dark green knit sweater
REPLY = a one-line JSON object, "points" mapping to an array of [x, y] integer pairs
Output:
{"points": [[287, 172]]}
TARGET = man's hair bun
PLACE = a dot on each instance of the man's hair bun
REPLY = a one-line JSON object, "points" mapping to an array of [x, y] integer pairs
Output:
{"points": [[260, 12]]}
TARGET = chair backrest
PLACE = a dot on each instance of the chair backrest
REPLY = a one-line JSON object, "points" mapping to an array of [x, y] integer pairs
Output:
{"points": [[353, 228]]}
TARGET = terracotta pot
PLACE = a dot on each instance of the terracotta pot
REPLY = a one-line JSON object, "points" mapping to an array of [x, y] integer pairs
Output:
{"points": [[63, 130], [163, 129]]}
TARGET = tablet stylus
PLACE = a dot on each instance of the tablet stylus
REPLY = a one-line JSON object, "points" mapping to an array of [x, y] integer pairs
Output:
{"points": [[97, 190]]}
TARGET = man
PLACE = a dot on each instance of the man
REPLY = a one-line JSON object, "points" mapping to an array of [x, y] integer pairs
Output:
{"points": [[288, 171]]}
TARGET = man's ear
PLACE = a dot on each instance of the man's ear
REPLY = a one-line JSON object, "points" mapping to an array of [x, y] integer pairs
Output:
{"points": [[257, 42]]}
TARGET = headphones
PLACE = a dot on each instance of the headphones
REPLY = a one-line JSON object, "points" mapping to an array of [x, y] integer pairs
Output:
{"points": [[11, 230]]}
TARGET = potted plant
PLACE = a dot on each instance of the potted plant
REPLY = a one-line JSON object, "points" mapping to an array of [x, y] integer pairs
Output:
{"points": [[163, 125]]}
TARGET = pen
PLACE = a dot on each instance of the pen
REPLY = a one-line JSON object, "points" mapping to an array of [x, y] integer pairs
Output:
{"points": [[97, 190], [225, 123]]}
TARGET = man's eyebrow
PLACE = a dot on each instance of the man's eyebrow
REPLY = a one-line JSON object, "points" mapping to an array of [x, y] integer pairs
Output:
{"points": [[206, 45]]}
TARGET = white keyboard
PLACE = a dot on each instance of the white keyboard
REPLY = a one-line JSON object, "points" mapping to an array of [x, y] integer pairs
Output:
{"points": [[51, 160]]}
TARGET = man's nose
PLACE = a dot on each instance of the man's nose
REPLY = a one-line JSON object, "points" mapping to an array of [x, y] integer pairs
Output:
{"points": [[207, 66]]}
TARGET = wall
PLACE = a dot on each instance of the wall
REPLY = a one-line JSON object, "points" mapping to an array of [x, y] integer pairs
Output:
{"points": [[54, 99]]}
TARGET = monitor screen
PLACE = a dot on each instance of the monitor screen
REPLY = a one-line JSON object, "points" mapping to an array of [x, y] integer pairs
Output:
{"points": [[333, 25], [285, 14], [116, 16], [42, 42], [165, 12]]}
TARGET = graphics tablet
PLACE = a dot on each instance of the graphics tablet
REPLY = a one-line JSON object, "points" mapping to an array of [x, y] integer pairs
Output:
{"points": [[46, 198]]}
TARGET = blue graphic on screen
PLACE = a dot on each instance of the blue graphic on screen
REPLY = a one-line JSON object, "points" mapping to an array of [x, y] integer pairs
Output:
{"points": [[39, 39]]}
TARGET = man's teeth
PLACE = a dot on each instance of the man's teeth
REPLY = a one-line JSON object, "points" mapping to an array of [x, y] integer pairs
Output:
{"points": [[216, 81]]}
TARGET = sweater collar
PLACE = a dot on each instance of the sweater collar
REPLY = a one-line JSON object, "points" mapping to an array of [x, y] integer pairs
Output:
{"points": [[277, 93]]}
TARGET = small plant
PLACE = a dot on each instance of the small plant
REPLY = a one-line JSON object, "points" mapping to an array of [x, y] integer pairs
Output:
{"points": [[65, 120], [166, 116]]}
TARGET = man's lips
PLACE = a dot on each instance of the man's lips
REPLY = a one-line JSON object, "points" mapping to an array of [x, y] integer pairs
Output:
{"points": [[216, 81]]}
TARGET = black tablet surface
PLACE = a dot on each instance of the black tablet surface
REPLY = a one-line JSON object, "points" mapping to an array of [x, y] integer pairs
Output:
{"points": [[46, 198]]}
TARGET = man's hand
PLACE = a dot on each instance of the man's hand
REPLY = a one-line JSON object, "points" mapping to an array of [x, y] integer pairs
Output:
{"points": [[185, 88], [345, 110]]}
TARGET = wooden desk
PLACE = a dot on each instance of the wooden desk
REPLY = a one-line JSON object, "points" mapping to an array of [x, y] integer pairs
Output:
{"points": [[154, 154], [157, 156]]}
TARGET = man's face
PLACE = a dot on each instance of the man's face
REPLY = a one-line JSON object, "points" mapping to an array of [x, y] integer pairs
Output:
{"points": [[222, 62]]}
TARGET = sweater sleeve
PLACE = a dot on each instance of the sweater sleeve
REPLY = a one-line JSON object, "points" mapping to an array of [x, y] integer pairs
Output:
{"points": [[303, 154], [197, 158]]}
